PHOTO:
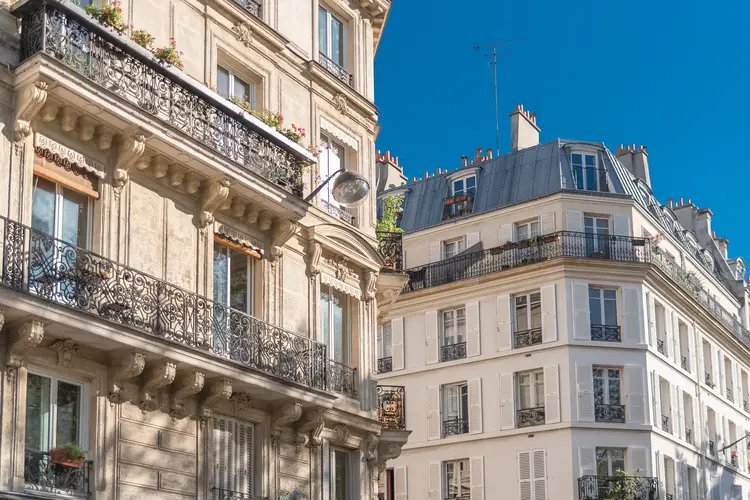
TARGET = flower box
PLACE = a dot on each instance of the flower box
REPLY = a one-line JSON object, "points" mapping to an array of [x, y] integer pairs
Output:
{"points": [[62, 457]]}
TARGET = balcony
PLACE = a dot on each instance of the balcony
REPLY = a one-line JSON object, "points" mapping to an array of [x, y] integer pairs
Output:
{"points": [[336, 70], [340, 213], [42, 474], [251, 6], [220, 494], [528, 417], [609, 413], [606, 333], [385, 365], [391, 250], [527, 338], [392, 407], [683, 362], [455, 427], [62, 31], [660, 346], [452, 352], [689, 436], [456, 206], [665, 423], [607, 487], [341, 379], [711, 449]]}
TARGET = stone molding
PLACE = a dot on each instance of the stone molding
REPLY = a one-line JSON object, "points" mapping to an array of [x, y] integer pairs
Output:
{"points": [[21, 339], [67, 352], [31, 99], [129, 152], [286, 415], [189, 384], [309, 431], [213, 195], [160, 376], [128, 366], [283, 230], [218, 390]]}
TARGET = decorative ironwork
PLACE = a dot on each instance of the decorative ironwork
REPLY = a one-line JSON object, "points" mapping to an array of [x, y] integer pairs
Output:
{"points": [[340, 213], [660, 345], [527, 338], [665, 423], [733, 458], [220, 494], [390, 249], [456, 206], [455, 426], [453, 351], [683, 362], [730, 396], [745, 405], [530, 416], [711, 448], [342, 379], [606, 333], [41, 474], [48, 268], [336, 70], [689, 436], [385, 365], [251, 6], [64, 32], [604, 487], [609, 413], [670, 496], [392, 407]]}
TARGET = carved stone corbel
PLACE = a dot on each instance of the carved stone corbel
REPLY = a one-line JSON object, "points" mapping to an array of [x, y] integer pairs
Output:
{"points": [[128, 366], [160, 376], [387, 452], [283, 230], [193, 184], [238, 207], [67, 350], [369, 448], [49, 112], [188, 385], [218, 390], [129, 152], [214, 194], [159, 166], [309, 432], [265, 221], [286, 415], [86, 128], [251, 217], [176, 175], [21, 339], [104, 138], [67, 119], [314, 252], [30, 101], [372, 286]]}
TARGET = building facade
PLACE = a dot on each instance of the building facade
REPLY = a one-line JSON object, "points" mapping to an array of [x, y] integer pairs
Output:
{"points": [[560, 326], [180, 318]]}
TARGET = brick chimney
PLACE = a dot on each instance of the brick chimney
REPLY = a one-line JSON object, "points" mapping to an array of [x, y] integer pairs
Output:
{"points": [[389, 173], [524, 132], [635, 160]]}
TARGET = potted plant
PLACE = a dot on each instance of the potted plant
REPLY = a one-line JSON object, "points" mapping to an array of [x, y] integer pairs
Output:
{"points": [[69, 454]]}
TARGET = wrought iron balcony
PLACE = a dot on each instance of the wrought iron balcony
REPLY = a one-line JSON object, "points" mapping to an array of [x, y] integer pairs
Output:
{"points": [[606, 333], [711, 448], [456, 206], [220, 494], [683, 362], [455, 426], [62, 31], [251, 6], [606, 487], [392, 407], [733, 459], [342, 379], [527, 338], [665, 423], [42, 474], [50, 269], [730, 396], [609, 413], [670, 496], [391, 250], [340, 213], [709, 381], [744, 404], [689, 436], [336, 70], [530, 416], [385, 365], [660, 346], [453, 351]]}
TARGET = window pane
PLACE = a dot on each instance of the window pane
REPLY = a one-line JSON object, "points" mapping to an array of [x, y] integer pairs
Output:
{"points": [[539, 389], [222, 81], [595, 306], [588, 224], [323, 31], [536, 312], [521, 315], [465, 477], [43, 206], [591, 179], [618, 459], [524, 391], [74, 217], [339, 473], [590, 161], [238, 282], [325, 318], [522, 232], [460, 325], [534, 228], [37, 412], [598, 390], [578, 173], [458, 187], [68, 413], [614, 389], [464, 400], [387, 341], [577, 160], [602, 226], [337, 41], [340, 335], [221, 274], [471, 185], [602, 462], [241, 89], [610, 311]]}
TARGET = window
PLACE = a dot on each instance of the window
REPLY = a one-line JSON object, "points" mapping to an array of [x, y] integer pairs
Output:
{"points": [[597, 235], [233, 278], [233, 87], [455, 409], [531, 389], [384, 348], [603, 306], [331, 36], [333, 157], [609, 461], [454, 326], [233, 455], [60, 212], [54, 413], [335, 324], [390, 486], [466, 185], [526, 230], [457, 479], [340, 474], [607, 399], [528, 312], [453, 248], [588, 174]]}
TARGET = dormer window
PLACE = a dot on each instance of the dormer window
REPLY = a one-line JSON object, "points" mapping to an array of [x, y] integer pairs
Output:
{"points": [[589, 175], [466, 185]]}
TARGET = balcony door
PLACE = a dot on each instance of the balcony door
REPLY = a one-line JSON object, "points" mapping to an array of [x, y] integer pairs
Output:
{"points": [[335, 325], [233, 291], [332, 159], [597, 235], [54, 413]]}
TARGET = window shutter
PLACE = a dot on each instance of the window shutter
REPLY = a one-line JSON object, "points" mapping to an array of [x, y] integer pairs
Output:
{"points": [[435, 251], [473, 338], [476, 477], [581, 319], [659, 471], [433, 412], [674, 410], [539, 474], [656, 388], [326, 462], [680, 413], [585, 379], [651, 320], [400, 484], [586, 461], [434, 482], [504, 329], [222, 457], [669, 340], [621, 225], [631, 317], [475, 406], [725, 436], [432, 342], [691, 350], [736, 392], [551, 394], [676, 335], [715, 367], [638, 461], [505, 234], [243, 475], [507, 402], [333, 165], [524, 475], [684, 480], [737, 492], [694, 425], [472, 239], [355, 464], [719, 359], [549, 313], [397, 343], [635, 390], [575, 221], [548, 223], [379, 342]]}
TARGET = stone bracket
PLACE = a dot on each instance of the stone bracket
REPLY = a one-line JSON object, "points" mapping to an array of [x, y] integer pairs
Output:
{"points": [[387, 451], [287, 414], [128, 154], [309, 431], [189, 384], [160, 376], [128, 366], [213, 196], [369, 447], [30, 101], [219, 390], [283, 230], [314, 252], [21, 339]]}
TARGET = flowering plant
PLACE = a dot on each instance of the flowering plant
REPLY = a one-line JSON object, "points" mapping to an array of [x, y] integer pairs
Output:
{"points": [[734, 453], [170, 54], [295, 133], [142, 38], [110, 14]]}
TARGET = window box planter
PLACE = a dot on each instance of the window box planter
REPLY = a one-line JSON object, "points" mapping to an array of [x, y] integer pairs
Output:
{"points": [[62, 456]]}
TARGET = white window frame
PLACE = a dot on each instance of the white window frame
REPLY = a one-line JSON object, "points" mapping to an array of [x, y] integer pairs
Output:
{"points": [[385, 346], [463, 190], [458, 333], [527, 306], [600, 170], [609, 458], [605, 382], [232, 74], [250, 287], [458, 391], [457, 464], [460, 244], [328, 142], [531, 227], [327, 50], [58, 210], [347, 326], [594, 226], [347, 474], [535, 380], [602, 301]]}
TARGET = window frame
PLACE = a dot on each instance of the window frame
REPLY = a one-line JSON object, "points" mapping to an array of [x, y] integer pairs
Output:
{"points": [[529, 226], [233, 72], [253, 449], [536, 380], [462, 394], [327, 141], [58, 215], [330, 15], [463, 467], [583, 168], [250, 277], [326, 336], [602, 304], [348, 486], [385, 348], [458, 334], [460, 247], [528, 306], [464, 180], [608, 449], [605, 383]]}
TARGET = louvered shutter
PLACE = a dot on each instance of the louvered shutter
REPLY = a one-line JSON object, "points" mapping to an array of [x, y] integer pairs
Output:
{"points": [[549, 313], [507, 402], [476, 477], [674, 410], [586, 461], [434, 251], [505, 234], [397, 343], [669, 340], [581, 318], [680, 413], [659, 471], [636, 394], [472, 239], [433, 412], [400, 484], [504, 329], [725, 436], [244, 450], [473, 338], [656, 395], [547, 223], [524, 475], [638, 461], [575, 221], [435, 490], [379, 342], [651, 320], [695, 425], [475, 406], [539, 474], [551, 394], [736, 383], [355, 466], [325, 451], [691, 349], [223, 462], [432, 341], [585, 382], [684, 480], [631, 317], [676, 338], [716, 361], [621, 225], [677, 486]]}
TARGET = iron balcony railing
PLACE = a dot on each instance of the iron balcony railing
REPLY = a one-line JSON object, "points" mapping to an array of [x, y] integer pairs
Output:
{"points": [[456, 206], [606, 333], [452, 352], [390, 248], [253, 7], [527, 338], [221, 494], [689, 436], [455, 426], [660, 346], [665, 423], [528, 417], [609, 413], [392, 407], [336, 70], [385, 365], [711, 448], [42, 474], [609, 487], [45, 267], [340, 213], [62, 31], [683, 362]]}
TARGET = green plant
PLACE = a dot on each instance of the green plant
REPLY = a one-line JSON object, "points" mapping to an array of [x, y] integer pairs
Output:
{"points": [[626, 487], [142, 38], [170, 54], [110, 14], [388, 222], [71, 451], [272, 119], [295, 133]]}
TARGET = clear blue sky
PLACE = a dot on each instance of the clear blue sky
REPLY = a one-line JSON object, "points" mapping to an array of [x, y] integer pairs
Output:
{"points": [[674, 76]]}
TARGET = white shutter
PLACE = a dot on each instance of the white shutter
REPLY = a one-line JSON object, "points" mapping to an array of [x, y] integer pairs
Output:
{"points": [[585, 381], [631, 317], [355, 465], [651, 319], [680, 414], [505, 234], [674, 410], [475, 406], [400, 484], [737, 492], [586, 462], [659, 471], [472, 239], [551, 394], [507, 402], [691, 351], [548, 223], [695, 424], [473, 338], [575, 221], [715, 367], [676, 488], [676, 338], [638, 461], [621, 225], [476, 477], [524, 475], [669, 340], [656, 394], [719, 360], [397, 343], [379, 342], [636, 392], [433, 412], [244, 449], [549, 313], [684, 481], [435, 251], [223, 463], [325, 451], [434, 478], [579, 291], [539, 474], [736, 391], [725, 436], [431, 339], [504, 335]]}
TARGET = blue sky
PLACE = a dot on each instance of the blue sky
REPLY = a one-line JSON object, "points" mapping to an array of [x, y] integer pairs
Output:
{"points": [[674, 76]]}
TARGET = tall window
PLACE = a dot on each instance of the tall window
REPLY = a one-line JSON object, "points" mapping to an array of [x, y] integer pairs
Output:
{"points": [[455, 409], [385, 345], [453, 248], [233, 454], [454, 326], [588, 174], [332, 159], [606, 386], [233, 87], [60, 212], [233, 278], [597, 234], [528, 311], [531, 389], [526, 230], [54, 413], [335, 324], [457, 479], [340, 474], [467, 185], [603, 306], [609, 461], [331, 36]]}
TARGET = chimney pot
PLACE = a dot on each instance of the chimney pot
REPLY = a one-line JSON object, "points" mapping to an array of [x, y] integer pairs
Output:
{"points": [[395, 160], [414, 179], [681, 202], [524, 131], [489, 153], [464, 160]]}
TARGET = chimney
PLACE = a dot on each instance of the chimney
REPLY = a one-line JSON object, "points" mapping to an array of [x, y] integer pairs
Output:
{"points": [[524, 132], [722, 243], [635, 160]]}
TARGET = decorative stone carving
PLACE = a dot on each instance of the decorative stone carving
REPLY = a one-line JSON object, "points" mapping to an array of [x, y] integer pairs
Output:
{"points": [[265, 220], [310, 430], [286, 415], [66, 157], [214, 194], [387, 451], [251, 217], [21, 339], [314, 252], [160, 376], [159, 166], [243, 33], [238, 207], [340, 265], [238, 236], [189, 384], [49, 112], [193, 184], [130, 150], [372, 286], [67, 350], [86, 128], [128, 366], [104, 138], [30, 101], [218, 390], [67, 119], [176, 175], [369, 447], [241, 402], [283, 230], [342, 433], [340, 103]]}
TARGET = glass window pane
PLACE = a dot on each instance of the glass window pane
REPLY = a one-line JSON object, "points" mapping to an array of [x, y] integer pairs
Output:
{"points": [[325, 318], [222, 81], [618, 459], [590, 161], [460, 325], [341, 339], [578, 173], [536, 314], [68, 413], [534, 228], [221, 274], [340, 484], [591, 179], [588, 224], [610, 312], [602, 226], [74, 217], [522, 317], [602, 462], [337, 41], [595, 305], [323, 31], [471, 185], [522, 232], [458, 187], [577, 159], [387, 341], [37, 412], [43, 206], [241, 89], [464, 400], [238, 282]]}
